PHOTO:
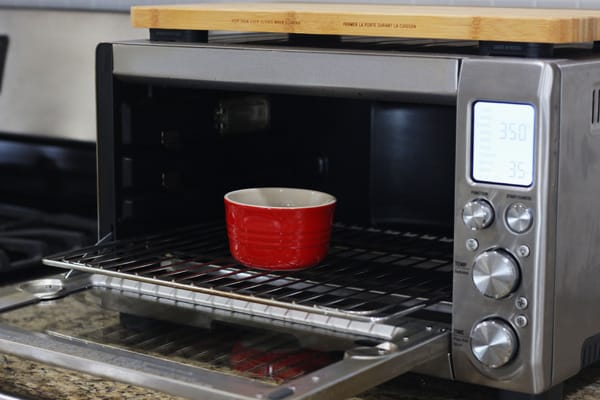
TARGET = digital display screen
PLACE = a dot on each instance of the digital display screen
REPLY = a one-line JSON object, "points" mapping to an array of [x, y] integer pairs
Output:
{"points": [[503, 143]]}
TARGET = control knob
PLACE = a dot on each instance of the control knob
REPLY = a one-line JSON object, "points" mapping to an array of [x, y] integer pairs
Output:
{"points": [[496, 273], [493, 343], [519, 217], [478, 214]]}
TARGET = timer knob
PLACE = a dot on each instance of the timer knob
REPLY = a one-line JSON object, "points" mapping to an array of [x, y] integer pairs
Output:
{"points": [[478, 214], [495, 273], [493, 343]]}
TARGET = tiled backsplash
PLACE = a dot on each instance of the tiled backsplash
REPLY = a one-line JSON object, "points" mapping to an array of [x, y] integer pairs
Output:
{"points": [[123, 5]]}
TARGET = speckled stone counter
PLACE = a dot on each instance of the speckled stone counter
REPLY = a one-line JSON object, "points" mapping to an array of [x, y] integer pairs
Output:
{"points": [[33, 380]]}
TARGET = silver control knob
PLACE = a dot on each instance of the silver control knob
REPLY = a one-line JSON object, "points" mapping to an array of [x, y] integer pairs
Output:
{"points": [[519, 217], [478, 214], [496, 273], [493, 343]]}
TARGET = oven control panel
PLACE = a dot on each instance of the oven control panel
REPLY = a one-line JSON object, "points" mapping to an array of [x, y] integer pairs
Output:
{"points": [[495, 252], [500, 254]]}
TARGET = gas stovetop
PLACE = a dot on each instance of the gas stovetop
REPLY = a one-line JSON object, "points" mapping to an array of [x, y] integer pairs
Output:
{"points": [[26, 235], [47, 187]]}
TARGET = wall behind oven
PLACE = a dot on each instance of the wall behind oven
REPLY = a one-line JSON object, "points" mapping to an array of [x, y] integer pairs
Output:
{"points": [[48, 88], [48, 85]]}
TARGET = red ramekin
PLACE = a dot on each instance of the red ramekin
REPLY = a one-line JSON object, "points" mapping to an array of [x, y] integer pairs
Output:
{"points": [[279, 228]]}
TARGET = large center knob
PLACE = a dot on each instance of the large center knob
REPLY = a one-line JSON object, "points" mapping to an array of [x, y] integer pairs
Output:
{"points": [[496, 273], [493, 343], [478, 214]]}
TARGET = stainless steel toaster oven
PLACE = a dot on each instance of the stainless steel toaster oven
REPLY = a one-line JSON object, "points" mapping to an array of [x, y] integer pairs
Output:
{"points": [[466, 236]]}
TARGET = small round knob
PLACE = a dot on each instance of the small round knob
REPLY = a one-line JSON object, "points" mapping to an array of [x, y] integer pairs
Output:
{"points": [[478, 214], [495, 273], [493, 343], [519, 217]]}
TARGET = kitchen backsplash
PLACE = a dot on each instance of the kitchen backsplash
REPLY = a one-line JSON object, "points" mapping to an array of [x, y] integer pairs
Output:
{"points": [[123, 5]]}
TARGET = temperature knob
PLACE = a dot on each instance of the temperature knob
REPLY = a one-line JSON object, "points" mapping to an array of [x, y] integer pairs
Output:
{"points": [[493, 343], [495, 273], [478, 214]]}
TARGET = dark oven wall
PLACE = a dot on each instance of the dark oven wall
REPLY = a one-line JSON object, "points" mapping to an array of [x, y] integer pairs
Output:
{"points": [[178, 150]]}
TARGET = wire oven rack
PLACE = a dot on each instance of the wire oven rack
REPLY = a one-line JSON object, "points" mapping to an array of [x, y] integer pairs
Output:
{"points": [[369, 275]]}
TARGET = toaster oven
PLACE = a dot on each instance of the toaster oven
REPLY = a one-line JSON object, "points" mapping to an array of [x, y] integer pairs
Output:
{"points": [[465, 241]]}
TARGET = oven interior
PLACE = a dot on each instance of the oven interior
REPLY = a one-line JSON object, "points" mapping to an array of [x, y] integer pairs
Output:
{"points": [[180, 148]]}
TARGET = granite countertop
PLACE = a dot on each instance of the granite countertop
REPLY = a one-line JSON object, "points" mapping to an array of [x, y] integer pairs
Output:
{"points": [[34, 380]]}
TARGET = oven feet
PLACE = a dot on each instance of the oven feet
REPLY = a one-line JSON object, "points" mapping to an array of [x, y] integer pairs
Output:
{"points": [[555, 393]]}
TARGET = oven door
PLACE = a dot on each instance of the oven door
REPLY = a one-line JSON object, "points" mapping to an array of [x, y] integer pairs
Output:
{"points": [[175, 313], [213, 360], [99, 325]]}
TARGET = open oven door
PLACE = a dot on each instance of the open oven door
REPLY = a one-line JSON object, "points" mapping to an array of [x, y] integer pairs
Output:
{"points": [[175, 313], [221, 361]]}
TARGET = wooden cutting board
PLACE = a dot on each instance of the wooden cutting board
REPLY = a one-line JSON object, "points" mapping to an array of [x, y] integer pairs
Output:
{"points": [[532, 25]]}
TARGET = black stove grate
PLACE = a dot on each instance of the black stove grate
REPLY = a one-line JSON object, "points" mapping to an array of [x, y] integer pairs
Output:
{"points": [[26, 235], [369, 274]]}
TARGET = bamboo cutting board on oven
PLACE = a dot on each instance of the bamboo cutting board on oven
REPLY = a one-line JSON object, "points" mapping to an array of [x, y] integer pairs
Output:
{"points": [[532, 25]]}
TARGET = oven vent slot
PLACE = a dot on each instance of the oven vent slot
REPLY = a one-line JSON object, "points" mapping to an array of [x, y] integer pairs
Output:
{"points": [[596, 108], [370, 276]]}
